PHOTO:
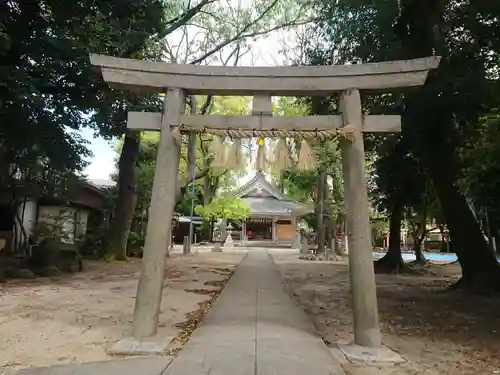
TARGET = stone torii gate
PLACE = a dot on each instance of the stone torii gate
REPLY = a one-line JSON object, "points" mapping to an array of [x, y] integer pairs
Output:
{"points": [[177, 81]]}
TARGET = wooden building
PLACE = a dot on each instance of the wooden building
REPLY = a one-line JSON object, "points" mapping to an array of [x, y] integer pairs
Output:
{"points": [[73, 215], [274, 215]]}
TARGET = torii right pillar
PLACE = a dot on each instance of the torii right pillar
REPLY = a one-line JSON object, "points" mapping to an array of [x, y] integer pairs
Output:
{"points": [[362, 275]]}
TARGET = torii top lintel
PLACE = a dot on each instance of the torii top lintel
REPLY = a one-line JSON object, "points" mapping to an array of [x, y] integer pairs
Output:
{"points": [[151, 76]]}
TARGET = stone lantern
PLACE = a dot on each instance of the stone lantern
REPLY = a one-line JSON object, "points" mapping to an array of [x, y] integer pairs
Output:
{"points": [[229, 240]]}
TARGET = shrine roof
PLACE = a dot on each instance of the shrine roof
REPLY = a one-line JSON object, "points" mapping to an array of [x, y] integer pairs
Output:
{"points": [[270, 206], [258, 186], [265, 199]]}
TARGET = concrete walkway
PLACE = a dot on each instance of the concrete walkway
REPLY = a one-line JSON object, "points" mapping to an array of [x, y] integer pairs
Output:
{"points": [[255, 327], [131, 366]]}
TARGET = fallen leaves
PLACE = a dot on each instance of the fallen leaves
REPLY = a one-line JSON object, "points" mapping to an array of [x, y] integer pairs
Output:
{"points": [[194, 318], [441, 333], [209, 292]]}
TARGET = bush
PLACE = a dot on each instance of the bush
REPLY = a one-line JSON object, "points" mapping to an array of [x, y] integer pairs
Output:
{"points": [[135, 244], [93, 245], [52, 254]]}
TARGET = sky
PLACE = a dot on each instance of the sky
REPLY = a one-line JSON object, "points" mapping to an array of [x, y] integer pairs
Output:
{"points": [[102, 164]]}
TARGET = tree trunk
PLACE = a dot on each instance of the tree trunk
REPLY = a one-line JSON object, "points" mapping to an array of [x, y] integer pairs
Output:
{"points": [[223, 231], [419, 238], [320, 211], [392, 261], [20, 236], [339, 247], [127, 197], [480, 269], [444, 247], [282, 183], [211, 232], [497, 243], [419, 255], [490, 232], [210, 185], [432, 130], [191, 147], [328, 217], [336, 246], [339, 229]]}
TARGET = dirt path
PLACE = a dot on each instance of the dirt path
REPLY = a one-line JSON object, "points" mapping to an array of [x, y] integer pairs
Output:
{"points": [[75, 318], [437, 332]]}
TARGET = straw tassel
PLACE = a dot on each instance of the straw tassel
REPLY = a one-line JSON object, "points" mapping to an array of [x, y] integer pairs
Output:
{"points": [[281, 156], [176, 134], [242, 159], [260, 163], [218, 151], [235, 158], [306, 158]]}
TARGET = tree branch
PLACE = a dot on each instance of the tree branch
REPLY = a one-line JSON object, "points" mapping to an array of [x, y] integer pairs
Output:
{"points": [[191, 147], [243, 33], [206, 105], [192, 177], [184, 18], [181, 187]]}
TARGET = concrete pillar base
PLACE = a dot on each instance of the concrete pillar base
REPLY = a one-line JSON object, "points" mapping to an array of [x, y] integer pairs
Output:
{"points": [[147, 346], [370, 356]]}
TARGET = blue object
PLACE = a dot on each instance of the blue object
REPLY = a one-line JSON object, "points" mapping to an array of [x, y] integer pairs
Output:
{"points": [[433, 257]]}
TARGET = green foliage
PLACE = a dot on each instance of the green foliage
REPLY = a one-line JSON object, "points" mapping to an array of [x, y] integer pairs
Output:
{"points": [[51, 257], [201, 33], [190, 199], [47, 84], [52, 227], [300, 185], [135, 241], [145, 170], [444, 150], [208, 179], [399, 176], [367, 31], [481, 178], [94, 242], [224, 207]]}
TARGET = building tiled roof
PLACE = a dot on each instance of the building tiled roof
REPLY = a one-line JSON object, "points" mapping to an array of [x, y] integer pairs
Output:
{"points": [[265, 199], [270, 206], [259, 181], [101, 183]]}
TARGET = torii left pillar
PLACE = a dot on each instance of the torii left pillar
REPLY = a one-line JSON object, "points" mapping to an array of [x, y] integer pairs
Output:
{"points": [[362, 275], [143, 338]]}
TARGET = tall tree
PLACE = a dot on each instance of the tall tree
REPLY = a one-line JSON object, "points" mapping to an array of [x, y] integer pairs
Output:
{"points": [[143, 26], [453, 101], [207, 180], [482, 168], [438, 117], [47, 89]]}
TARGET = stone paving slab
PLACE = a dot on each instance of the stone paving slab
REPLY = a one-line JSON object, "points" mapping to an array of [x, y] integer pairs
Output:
{"points": [[255, 327], [132, 366]]}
